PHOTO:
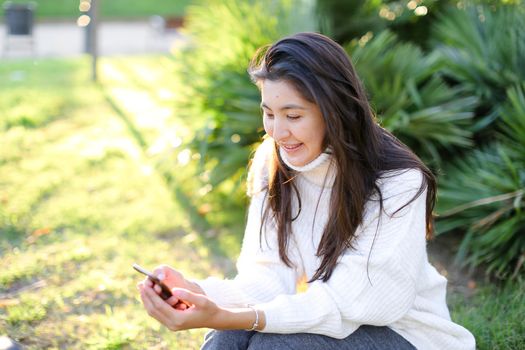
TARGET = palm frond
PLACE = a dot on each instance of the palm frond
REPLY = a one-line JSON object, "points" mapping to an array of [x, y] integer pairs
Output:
{"points": [[483, 194], [410, 97], [513, 115], [483, 49]]}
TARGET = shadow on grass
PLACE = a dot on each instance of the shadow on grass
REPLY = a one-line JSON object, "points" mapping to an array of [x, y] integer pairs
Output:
{"points": [[135, 132], [10, 237], [197, 221]]}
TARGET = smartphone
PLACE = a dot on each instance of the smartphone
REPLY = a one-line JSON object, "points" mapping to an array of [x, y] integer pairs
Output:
{"points": [[165, 292]]}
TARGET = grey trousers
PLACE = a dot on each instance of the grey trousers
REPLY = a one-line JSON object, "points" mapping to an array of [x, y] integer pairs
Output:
{"points": [[364, 338]]}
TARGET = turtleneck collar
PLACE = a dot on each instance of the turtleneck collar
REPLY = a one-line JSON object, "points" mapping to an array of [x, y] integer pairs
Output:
{"points": [[315, 171]]}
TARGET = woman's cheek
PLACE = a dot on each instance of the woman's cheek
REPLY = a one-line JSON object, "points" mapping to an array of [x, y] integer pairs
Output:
{"points": [[268, 127]]}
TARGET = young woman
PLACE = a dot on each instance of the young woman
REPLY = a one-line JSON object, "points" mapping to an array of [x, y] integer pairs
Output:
{"points": [[335, 199]]}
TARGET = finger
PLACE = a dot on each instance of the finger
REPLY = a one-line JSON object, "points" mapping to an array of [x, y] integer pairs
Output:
{"points": [[163, 311], [181, 306], [147, 302], [189, 297], [161, 271], [172, 301], [150, 293], [175, 301], [157, 288], [155, 303]]}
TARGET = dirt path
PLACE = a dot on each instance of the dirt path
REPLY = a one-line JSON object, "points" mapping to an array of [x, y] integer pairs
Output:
{"points": [[442, 254]]}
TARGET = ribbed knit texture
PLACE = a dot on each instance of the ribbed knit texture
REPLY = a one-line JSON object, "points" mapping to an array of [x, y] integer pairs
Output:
{"points": [[391, 285]]}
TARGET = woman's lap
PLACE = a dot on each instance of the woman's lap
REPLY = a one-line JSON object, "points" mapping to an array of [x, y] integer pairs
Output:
{"points": [[234, 340], [365, 338]]}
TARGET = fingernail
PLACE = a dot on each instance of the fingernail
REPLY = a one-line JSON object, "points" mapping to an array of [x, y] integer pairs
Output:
{"points": [[161, 276]]}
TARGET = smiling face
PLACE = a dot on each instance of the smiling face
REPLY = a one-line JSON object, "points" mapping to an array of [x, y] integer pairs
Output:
{"points": [[293, 122]]}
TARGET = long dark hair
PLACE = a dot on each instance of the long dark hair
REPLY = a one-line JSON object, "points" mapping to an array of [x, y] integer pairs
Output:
{"points": [[363, 151]]}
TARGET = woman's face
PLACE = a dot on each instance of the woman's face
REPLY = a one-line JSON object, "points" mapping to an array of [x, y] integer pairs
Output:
{"points": [[293, 122]]}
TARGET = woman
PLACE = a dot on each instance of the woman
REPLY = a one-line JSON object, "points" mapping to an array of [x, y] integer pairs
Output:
{"points": [[337, 200]]}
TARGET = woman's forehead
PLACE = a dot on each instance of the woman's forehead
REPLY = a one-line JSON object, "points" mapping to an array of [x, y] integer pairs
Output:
{"points": [[282, 95]]}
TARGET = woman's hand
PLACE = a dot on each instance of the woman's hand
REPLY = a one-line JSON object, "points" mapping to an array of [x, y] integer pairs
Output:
{"points": [[174, 279], [202, 312]]}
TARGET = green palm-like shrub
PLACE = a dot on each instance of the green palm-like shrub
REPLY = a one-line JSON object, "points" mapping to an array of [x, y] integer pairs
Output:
{"points": [[411, 99], [484, 194], [481, 194], [346, 20], [513, 115], [483, 49]]}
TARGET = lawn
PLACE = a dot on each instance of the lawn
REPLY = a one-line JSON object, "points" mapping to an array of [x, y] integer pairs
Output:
{"points": [[94, 177], [81, 200], [109, 9]]}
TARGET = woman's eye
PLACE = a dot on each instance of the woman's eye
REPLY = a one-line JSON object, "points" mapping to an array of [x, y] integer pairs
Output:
{"points": [[293, 117], [268, 115]]}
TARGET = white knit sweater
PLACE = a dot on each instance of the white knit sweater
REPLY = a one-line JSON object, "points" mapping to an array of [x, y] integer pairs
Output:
{"points": [[392, 286]]}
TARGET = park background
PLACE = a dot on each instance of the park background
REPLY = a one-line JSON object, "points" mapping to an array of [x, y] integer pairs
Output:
{"points": [[148, 163]]}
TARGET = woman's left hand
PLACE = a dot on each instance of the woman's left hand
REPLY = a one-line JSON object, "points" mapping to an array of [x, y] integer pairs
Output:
{"points": [[201, 313]]}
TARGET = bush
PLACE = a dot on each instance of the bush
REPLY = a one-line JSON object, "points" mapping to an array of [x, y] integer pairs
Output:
{"points": [[348, 20], [410, 97], [483, 194], [482, 191], [483, 49]]}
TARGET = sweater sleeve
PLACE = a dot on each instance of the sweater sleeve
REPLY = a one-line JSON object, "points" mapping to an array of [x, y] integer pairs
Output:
{"points": [[261, 273], [368, 286]]}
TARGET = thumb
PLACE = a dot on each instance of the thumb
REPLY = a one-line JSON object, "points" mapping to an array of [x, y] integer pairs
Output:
{"points": [[189, 297]]}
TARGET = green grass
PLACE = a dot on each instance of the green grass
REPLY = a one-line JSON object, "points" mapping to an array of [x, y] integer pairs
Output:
{"points": [[109, 9], [94, 177], [81, 200], [495, 315]]}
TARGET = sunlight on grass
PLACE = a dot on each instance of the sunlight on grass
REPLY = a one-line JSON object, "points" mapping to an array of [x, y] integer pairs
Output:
{"points": [[81, 200], [99, 148], [29, 310], [30, 108], [146, 113], [111, 73], [143, 93]]}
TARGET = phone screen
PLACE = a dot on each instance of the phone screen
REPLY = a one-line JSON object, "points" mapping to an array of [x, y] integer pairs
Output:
{"points": [[165, 291]]}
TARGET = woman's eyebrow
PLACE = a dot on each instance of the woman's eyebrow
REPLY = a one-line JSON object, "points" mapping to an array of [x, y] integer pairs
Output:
{"points": [[288, 106]]}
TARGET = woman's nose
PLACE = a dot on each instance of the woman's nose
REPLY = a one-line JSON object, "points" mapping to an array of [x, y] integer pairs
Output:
{"points": [[280, 130]]}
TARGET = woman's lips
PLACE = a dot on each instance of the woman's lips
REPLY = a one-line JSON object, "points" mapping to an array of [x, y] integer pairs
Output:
{"points": [[291, 148]]}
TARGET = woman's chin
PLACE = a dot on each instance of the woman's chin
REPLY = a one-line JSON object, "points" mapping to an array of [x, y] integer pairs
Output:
{"points": [[298, 157], [298, 161]]}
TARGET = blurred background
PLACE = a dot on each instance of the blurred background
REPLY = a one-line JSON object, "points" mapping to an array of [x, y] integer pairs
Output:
{"points": [[126, 128]]}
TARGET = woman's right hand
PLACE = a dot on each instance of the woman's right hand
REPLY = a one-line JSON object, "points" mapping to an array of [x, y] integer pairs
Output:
{"points": [[174, 279]]}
